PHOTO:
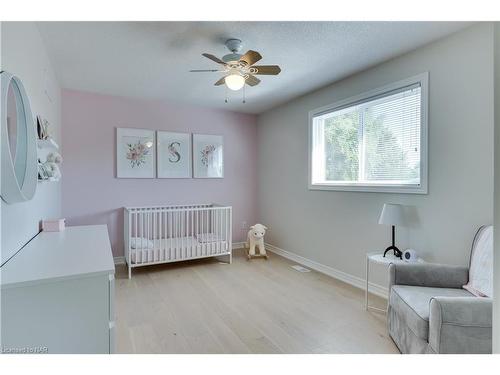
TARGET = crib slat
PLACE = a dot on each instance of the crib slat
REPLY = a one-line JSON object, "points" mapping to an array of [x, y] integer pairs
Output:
{"points": [[170, 235], [150, 227], [139, 236], [205, 232], [191, 234], [201, 232], [215, 228], [198, 231], [136, 236], [176, 236], [217, 243], [165, 242], [154, 236], [179, 218], [184, 236], [186, 217], [139, 247], [143, 221], [212, 230], [183, 239], [207, 229], [160, 227], [230, 237], [145, 252], [195, 231], [177, 252], [143, 233], [219, 227]]}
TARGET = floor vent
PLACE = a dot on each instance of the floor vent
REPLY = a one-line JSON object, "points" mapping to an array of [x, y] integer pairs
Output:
{"points": [[300, 268]]}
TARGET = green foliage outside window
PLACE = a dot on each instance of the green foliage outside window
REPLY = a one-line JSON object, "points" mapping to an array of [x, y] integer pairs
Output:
{"points": [[384, 156]]}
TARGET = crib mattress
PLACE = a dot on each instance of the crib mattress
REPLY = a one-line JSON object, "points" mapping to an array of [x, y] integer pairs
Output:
{"points": [[176, 249]]}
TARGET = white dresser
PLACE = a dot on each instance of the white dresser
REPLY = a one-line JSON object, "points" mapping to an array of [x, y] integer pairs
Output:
{"points": [[57, 294]]}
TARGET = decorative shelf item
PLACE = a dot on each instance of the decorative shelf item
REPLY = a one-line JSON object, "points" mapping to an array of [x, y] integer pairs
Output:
{"points": [[49, 158], [48, 172]]}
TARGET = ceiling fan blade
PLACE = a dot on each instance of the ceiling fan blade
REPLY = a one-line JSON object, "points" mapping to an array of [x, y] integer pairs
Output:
{"points": [[220, 82], [251, 57], [252, 80], [267, 69], [214, 58], [204, 70]]}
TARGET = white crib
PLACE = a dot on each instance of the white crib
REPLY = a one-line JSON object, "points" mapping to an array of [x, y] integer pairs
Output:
{"points": [[173, 233]]}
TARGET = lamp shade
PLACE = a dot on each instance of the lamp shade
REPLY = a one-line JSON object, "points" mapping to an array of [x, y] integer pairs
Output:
{"points": [[392, 214]]}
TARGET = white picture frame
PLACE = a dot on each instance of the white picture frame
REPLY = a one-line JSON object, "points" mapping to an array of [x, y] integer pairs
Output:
{"points": [[208, 156], [174, 154], [135, 153]]}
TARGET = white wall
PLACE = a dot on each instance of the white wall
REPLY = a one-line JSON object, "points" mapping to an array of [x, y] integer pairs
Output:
{"points": [[0, 204], [496, 257], [338, 228], [24, 55]]}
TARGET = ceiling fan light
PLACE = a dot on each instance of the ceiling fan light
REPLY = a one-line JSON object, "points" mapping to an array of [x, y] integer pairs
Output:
{"points": [[234, 82]]}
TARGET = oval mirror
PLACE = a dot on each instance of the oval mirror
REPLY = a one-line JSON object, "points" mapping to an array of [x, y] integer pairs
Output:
{"points": [[19, 158]]}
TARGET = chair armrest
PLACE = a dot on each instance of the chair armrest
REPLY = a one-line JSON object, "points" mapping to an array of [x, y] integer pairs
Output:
{"points": [[460, 324], [428, 274]]}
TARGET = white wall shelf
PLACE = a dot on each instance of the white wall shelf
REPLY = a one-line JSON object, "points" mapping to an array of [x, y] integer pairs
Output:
{"points": [[50, 179], [47, 144]]}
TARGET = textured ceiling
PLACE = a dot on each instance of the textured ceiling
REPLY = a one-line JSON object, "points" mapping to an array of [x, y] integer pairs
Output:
{"points": [[153, 59]]}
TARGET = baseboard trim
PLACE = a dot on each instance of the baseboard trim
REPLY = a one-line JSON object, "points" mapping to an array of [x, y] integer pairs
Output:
{"points": [[236, 245], [355, 281]]}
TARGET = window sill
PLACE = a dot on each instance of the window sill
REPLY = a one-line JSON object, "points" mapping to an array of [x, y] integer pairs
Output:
{"points": [[400, 189]]}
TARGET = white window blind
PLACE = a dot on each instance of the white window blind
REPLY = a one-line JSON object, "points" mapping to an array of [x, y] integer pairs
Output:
{"points": [[374, 141]]}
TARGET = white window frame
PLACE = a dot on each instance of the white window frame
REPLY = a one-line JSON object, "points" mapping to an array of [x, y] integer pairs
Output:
{"points": [[422, 188]]}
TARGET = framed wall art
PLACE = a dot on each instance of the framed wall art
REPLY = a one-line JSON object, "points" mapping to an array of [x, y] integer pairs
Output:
{"points": [[173, 155], [135, 153], [208, 156]]}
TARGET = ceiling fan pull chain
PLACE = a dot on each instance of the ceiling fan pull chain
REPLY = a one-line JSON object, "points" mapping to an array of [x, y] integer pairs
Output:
{"points": [[244, 96], [225, 100]]}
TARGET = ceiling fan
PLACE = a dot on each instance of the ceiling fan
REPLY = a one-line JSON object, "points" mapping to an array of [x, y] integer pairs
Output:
{"points": [[239, 69]]}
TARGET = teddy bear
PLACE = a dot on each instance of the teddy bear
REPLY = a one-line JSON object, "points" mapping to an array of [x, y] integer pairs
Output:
{"points": [[255, 238], [52, 165], [54, 157]]}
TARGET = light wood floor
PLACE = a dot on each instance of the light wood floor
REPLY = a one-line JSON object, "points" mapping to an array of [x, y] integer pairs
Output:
{"points": [[253, 306]]}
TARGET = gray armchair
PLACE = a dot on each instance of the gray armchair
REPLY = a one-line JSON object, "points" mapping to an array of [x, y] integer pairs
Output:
{"points": [[430, 312]]}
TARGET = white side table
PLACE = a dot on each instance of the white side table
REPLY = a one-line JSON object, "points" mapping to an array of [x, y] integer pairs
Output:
{"points": [[378, 258]]}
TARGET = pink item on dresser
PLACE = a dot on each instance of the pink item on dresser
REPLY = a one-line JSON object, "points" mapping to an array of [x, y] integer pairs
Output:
{"points": [[53, 225]]}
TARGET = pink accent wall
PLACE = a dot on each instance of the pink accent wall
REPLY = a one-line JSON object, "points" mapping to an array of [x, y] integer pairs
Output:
{"points": [[91, 194]]}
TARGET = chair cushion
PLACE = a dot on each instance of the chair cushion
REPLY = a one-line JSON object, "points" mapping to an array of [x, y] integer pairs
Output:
{"points": [[481, 263], [411, 303]]}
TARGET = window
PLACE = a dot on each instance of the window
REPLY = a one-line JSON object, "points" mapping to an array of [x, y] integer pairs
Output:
{"points": [[376, 141]]}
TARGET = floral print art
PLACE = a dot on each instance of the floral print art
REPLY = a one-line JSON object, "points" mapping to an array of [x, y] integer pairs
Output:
{"points": [[207, 154], [137, 153]]}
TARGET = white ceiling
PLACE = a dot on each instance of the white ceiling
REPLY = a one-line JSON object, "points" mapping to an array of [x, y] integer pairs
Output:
{"points": [[153, 59]]}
